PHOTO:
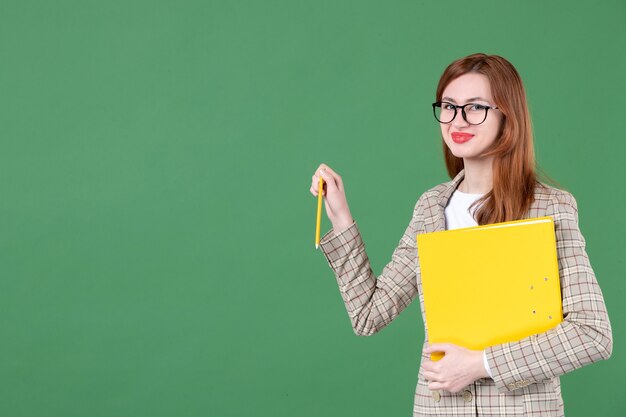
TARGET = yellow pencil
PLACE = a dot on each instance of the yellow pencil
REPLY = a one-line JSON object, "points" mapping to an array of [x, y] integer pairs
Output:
{"points": [[320, 191]]}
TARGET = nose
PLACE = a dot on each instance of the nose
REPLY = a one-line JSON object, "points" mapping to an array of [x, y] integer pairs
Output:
{"points": [[459, 121]]}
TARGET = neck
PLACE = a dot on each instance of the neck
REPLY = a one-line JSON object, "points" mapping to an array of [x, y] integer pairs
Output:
{"points": [[478, 176]]}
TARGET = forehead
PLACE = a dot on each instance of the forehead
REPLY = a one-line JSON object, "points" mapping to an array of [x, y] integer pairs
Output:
{"points": [[468, 86]]}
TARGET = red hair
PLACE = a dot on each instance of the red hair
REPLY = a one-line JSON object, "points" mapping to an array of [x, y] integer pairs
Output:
{"points": [[514, 170]]}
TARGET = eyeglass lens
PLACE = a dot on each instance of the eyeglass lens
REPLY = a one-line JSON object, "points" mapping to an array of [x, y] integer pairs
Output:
{"points": [[474, 113]]}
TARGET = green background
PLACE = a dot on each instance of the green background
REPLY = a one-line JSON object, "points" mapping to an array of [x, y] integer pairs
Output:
{"points": [[156, 227]]}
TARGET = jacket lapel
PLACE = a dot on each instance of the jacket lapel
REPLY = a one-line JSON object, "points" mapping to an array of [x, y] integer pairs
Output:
{"points": [[436, 205], [443, 198]]}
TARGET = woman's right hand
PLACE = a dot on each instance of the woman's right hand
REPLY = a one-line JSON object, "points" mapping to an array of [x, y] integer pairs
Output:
{"points": [[335, 201]]}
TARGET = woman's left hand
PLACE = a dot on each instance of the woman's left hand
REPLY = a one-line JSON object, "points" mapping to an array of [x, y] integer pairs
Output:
{"points": [[456, 370]]}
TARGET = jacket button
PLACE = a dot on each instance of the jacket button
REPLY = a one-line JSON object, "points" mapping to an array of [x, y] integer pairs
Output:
{"points": [[467, 396], [436, 396]]}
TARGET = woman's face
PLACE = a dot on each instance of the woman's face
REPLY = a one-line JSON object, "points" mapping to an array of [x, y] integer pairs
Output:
{"points": [[470, 88]]}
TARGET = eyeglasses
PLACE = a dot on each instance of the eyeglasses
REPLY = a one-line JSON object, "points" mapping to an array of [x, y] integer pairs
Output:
{"points": [[475, 114]]}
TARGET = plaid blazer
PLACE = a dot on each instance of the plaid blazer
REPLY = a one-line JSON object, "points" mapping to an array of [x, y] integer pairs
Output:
{"points": [[525, 373]]}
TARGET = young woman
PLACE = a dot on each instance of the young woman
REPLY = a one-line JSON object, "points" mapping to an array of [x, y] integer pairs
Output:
{"points": [[488, 150]]}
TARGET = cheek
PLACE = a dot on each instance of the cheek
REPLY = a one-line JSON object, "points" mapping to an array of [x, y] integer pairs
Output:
{"points": [[494, 131], [496, 126]]}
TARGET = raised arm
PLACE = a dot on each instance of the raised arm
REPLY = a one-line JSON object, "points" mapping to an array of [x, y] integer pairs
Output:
{"points": [[372, 303]]}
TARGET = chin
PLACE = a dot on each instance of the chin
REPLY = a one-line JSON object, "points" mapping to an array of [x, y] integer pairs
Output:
{"points": [[461, 153]]}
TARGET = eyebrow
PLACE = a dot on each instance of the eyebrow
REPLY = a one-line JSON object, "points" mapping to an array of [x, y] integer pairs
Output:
{"points": [[450, 99]]}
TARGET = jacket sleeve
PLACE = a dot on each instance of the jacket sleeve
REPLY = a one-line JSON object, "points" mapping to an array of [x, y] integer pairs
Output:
{"points": [[585, 334], [373, 303]]}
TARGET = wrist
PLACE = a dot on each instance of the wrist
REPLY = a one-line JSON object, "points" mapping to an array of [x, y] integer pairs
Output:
{"points": [[481, 371], [341, 225]]}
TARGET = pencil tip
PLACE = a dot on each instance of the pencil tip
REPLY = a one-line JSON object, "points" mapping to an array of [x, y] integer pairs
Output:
{"points": [[317, 246]]}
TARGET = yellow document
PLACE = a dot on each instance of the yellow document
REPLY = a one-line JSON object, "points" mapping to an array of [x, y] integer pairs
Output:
{"points": [[491, 284]]}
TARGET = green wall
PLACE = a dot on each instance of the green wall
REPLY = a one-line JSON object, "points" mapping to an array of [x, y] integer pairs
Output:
{"points": [[156, 227]]}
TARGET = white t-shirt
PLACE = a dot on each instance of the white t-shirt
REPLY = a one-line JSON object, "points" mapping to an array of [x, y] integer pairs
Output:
{"points": [[457, 216]]}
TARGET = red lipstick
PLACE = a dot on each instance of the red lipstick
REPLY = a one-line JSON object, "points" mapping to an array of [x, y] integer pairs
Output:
{"points": [[459, 137]]}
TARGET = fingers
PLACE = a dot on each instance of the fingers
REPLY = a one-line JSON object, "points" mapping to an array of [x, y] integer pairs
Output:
{"points": [[445, 386], [315, 186], [432, 371], [315, 180], [328, 171], [432, 376], [431, 367], [332, 180], [435, 386]]}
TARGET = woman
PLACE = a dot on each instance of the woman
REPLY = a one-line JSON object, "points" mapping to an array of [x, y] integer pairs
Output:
{"points": [[488, 149]]}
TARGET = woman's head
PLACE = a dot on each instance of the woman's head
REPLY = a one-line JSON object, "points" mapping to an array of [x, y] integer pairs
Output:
{"points": [[505, 135], [473, 119]]}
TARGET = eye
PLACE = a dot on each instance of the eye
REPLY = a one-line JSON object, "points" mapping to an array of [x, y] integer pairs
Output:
{"points": [[447, 106], [476, 107]]}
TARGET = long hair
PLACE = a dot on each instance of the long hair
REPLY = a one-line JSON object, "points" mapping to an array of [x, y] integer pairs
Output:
{"points": [[514, 166]]}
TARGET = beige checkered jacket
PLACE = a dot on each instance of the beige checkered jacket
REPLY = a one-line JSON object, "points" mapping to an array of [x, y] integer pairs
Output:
{"points": [[525, 373]]}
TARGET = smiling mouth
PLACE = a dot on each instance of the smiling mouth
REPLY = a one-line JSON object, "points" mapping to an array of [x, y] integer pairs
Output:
{"points": [[461, 137]]}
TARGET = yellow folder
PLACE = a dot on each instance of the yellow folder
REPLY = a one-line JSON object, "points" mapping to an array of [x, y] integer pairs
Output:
{"points": [[490, 284]]}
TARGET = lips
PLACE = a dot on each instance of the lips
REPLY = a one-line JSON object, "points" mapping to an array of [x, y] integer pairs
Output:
{"points": [[459, 137]]}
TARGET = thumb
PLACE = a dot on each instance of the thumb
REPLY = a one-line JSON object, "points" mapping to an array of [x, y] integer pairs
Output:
{"points": [[329, 179]]}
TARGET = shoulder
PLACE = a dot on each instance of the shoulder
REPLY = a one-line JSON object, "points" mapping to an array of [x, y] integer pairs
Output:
{"points": [[558, 202], [555, 200], [430, 198]]}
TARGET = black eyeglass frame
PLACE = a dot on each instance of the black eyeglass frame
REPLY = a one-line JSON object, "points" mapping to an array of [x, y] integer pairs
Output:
{"points": [[439, 103]]}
